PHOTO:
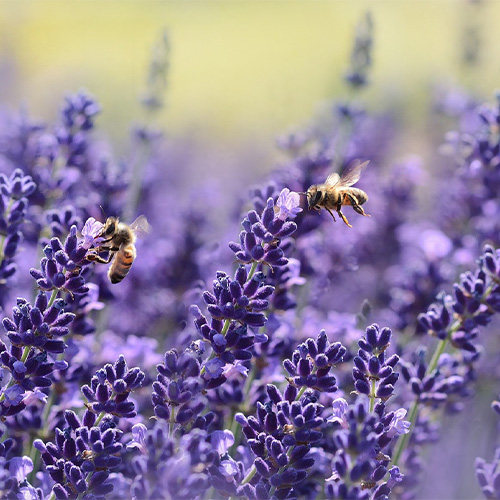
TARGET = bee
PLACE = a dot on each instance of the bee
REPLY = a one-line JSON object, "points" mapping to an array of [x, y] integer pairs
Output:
{"points": [[337, 191], [119, 242]]}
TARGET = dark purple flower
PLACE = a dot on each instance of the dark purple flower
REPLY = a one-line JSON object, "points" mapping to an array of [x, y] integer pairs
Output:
{"points": [[110, 388], [373, 371], [81, 457], [311, 364]]}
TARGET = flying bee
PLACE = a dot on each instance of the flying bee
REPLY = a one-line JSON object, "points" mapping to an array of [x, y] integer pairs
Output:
{"points": [[119, 242], [337, 191]]}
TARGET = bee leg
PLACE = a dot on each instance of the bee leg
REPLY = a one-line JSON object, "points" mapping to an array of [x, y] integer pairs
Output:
{"points": [[343, 217], [93, 257], [357, 208], [331, 213]]}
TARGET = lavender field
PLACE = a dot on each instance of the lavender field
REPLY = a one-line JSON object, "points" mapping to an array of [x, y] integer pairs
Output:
{"points": [[241, 343]]}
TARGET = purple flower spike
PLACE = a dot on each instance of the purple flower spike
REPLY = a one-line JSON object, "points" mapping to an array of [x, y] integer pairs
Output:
{"points": [[260, 241], [311, 364], [110, 388], [371, 364]]}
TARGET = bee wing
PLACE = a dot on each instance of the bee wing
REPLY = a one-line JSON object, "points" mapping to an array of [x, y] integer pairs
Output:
{"points": [[332, 179], [141, 226], [352, 173]]}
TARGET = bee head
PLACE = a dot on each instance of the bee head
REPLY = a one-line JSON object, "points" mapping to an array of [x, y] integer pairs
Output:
{"points": [[110, 226], [313, 196]]}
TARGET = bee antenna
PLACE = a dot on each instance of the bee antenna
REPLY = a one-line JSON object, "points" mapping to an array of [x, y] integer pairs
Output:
{"points": [[301, 192]]}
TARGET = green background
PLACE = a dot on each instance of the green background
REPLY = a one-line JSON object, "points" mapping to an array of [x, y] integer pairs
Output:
{"points": [[240, 71]]}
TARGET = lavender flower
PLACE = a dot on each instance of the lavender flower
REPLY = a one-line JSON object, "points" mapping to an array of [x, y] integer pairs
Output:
{"points": [[14, 191], [373, 373], [487, 476], [110, 388], [476, 299], [288, 204], [260, 240], [81, 458], [165, 469], [311, 363], [177, 393], [280, 436]]}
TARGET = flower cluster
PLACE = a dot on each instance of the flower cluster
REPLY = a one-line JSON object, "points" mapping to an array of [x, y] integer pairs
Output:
{"points": [[82, 456], [177, 393], [281, 436], [374, 373], [359, 440], [262, 234], [110, 389], [311, 364], [475, 300], [166, 468]]}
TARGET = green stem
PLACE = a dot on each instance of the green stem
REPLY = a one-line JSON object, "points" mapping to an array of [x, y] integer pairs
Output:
{"points": [[225, 327], [171, 422], [250, 475], [99, 418], [301, 392], [53, 297], [372, 395], [252, 270]]}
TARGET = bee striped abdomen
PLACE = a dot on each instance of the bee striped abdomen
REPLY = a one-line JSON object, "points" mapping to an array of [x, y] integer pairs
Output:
{"points": [[122, 263], [360, 196]]}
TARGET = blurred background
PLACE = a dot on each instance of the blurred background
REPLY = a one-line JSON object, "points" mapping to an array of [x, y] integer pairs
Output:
{"points": [[243, 72]]}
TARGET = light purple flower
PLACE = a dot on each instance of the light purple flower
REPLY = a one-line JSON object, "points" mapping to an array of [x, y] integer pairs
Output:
{"points": [[14, 394], [32, 397], [288, 203], [20, 467], [222, 441], [232, 370], [228, 468], [396, 477], [398, 425], [90, 233], [27, 493], [214, 368], [294, 271], [139, 432], [92, 299], [340, 407]]}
